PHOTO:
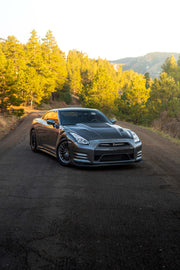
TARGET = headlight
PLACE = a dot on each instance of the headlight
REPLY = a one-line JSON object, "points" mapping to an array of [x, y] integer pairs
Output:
{"points": [[135, 137], [79, 139]]}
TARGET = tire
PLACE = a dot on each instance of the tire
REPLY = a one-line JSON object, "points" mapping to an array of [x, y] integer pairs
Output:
{"points": [[33, 141], [63, 153]]}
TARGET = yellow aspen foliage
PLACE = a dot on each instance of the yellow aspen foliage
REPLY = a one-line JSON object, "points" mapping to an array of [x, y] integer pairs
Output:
{"points": [[102, 92], [134, 96]]}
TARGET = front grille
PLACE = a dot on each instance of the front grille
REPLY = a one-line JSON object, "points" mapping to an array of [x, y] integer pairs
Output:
{"points": [[115, 144], [116, 157], [103, 156]]}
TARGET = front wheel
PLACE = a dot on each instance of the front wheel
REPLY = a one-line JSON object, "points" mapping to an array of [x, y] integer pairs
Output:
{"points": [[33, 141], [63, 153]]}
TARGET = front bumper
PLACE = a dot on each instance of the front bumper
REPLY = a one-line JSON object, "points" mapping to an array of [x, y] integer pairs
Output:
{"points": [[106, 152]]}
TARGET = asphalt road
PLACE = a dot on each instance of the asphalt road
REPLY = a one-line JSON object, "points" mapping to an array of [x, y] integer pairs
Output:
{"points": [[115, 218]]}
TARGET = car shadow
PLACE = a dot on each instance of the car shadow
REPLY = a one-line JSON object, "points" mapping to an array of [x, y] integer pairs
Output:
{"points": [[108, 167]]}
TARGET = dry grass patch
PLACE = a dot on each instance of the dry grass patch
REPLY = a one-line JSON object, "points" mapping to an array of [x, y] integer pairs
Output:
{"points": [[168, 125], [7, 123]]}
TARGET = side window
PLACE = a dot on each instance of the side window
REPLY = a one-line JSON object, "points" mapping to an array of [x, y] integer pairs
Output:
{"points": [[44, 115], [54, 116], [47, 116], [51, 115]]}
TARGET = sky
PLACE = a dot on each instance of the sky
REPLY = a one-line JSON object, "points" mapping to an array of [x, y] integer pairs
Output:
{"points": [[110, 29]]}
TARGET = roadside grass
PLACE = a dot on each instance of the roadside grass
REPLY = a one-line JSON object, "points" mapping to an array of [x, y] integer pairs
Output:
{"points": [[7, 123], [155, 130], [168, 125], [160, 132], [174, 140]]}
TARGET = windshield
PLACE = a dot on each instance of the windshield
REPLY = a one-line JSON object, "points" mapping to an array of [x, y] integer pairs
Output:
{"points": [[82, 116]]}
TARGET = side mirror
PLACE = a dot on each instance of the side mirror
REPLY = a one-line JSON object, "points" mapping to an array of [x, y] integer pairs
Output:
{"points": [[113, 121], [51, 122]]}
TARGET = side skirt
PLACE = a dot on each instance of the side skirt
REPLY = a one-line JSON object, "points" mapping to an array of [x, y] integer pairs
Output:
{"points": [[48, 151]]}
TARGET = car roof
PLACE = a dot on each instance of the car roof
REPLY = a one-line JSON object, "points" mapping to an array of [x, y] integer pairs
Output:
{"points": [[73, 109]]}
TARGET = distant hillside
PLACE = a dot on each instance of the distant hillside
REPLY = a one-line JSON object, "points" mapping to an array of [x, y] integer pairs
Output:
{"points": [[150, 62]]}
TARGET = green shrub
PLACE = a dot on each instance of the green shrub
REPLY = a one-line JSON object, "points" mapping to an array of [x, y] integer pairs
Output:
{"points": [[17, 112]]}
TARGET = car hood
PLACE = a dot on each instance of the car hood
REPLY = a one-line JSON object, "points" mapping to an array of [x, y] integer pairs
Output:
{"points": [[95, 131]]}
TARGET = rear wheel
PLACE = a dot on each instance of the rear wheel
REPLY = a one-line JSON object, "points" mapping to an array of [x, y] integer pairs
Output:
{"points": [[33, 141], [63, 153]]}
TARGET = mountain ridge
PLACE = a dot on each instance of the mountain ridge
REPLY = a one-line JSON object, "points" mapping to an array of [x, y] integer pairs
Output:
{"points": [[151, 62]]}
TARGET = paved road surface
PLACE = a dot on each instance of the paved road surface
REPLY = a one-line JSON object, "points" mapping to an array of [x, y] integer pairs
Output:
{"points": [[114, 218]]}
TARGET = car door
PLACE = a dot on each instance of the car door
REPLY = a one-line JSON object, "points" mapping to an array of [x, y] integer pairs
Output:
{"points": [[42, 132], [50, 132]]}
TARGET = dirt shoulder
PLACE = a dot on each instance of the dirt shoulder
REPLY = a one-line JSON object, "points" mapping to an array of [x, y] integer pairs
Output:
{"points": [[10, 122], [160, 152], [16, 132]]}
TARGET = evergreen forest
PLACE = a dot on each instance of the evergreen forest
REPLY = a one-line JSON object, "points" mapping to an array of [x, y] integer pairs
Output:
{"points": [[38, 71]]}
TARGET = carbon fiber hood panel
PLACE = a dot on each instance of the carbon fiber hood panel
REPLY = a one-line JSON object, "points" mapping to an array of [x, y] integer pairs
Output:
{"points": [[95, 131]]}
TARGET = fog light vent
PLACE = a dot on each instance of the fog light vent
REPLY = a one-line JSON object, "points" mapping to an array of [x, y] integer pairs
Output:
{"points": [[139, 154], [80, 156]]}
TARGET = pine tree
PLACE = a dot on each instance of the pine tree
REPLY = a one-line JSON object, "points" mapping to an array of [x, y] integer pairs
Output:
{"points": [[101, 93], [74, 72], [54, 69], [164, 96], [9, 95], [170, 67], [33, 51], [134, 97]]}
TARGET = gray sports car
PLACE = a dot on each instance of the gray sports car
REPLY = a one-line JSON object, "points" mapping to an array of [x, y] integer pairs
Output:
{"points": [[84, 137]]}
